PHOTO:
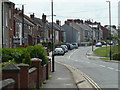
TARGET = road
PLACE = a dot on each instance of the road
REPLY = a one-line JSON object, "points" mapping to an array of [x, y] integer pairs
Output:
{"points": [[105, 74]]}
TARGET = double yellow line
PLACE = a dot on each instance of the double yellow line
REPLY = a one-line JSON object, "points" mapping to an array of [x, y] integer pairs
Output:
{"points": [[91, 82]]}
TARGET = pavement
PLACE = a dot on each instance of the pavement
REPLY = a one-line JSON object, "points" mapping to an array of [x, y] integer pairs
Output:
{"points": [[66, 76], [61, 78]]}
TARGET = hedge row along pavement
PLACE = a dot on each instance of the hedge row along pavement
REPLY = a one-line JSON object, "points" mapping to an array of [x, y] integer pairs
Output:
{"points": [[24, 55]]}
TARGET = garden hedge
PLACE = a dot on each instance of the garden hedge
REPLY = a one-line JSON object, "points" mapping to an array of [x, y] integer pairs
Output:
{"points": [[20, 55]]}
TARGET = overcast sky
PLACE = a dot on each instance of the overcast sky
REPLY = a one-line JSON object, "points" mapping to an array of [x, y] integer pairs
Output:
{"points": [[72, 9]]}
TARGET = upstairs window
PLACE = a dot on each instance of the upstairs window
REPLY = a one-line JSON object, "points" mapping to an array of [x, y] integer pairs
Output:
{"points": [[6, 19]]}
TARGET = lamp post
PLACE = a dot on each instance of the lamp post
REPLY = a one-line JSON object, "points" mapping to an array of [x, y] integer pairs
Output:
{"points": [[110, 28], [23, 40], [92, 36], [53, 68], [1, 24]]}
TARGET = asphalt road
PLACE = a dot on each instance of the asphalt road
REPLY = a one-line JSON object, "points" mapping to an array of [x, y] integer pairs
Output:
{"points": [[105, 74]]}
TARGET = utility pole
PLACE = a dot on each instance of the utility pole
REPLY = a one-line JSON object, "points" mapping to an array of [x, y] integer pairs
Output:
{"points": [[2, 16], [1, 24], [92, 35], [53, 68], [23, 40], [110, 28]]}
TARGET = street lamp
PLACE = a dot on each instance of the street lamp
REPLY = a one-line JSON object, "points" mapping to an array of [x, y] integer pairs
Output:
{"points": [[110, 28], [92, 36], [23, 40], [53, 68]]}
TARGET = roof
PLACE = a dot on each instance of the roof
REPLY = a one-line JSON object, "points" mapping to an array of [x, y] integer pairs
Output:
{"points": [[84, 26], [37, 21], [26, 21], [56, 26], [65, 26], [7, 1]]}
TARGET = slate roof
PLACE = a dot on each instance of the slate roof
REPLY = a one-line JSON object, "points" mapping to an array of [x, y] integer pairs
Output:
{"points": [[65, 26], [84, 26], [56, 26], [19, 18]]}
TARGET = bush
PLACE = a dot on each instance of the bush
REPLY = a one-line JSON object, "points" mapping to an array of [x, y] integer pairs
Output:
{"points": [[38, 52], [18, 54], [6, 54], [116, 56], [27, 59], [13, 53], [9, 62]]}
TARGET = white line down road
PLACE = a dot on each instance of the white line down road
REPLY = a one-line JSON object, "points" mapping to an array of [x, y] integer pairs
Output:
{"points": [[105, 74]]}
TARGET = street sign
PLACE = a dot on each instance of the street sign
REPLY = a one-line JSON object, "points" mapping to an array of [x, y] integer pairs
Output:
{"points": [[16, 40]]}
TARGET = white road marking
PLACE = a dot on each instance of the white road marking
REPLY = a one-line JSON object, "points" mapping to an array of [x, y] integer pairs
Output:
{"points": [[117, 70], [71, 54], [87, 62], [102, 66], [110, 68]]}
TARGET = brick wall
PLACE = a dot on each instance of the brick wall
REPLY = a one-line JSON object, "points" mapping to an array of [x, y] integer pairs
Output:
{"points": [[33, 77], [26, 78]]}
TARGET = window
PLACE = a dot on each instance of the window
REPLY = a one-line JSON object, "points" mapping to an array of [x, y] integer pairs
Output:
{"points": [[10, 14], [28, 27], [6, 18]]}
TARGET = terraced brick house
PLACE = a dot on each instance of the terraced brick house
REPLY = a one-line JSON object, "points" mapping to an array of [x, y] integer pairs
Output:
{"points": [[7, 23]]}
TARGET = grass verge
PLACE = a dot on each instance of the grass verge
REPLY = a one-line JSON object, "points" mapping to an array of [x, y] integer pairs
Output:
{"points": [[102, 51], [105, 59]]}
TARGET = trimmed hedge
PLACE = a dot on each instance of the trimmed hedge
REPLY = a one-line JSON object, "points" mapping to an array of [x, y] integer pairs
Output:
{"points": [[20, 55], [38, 52], [16, 54]]}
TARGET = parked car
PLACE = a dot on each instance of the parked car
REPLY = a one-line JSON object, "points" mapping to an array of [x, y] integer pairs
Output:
{"points": [[111, 43], [64, 49], [75, 45], [59, 51], [104, 43], [99, 44], [70, 46]]}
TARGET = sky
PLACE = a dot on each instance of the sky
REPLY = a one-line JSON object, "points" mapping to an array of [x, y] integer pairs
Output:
{"points": [[96, 10]]}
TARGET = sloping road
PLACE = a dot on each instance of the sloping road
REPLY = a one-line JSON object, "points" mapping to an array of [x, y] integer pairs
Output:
{"points": [[105, 74]]}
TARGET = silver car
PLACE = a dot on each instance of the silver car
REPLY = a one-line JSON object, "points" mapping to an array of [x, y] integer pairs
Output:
{"points": [[59, 51]]}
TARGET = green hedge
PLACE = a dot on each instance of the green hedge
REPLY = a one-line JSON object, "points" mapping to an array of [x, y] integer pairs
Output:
{"points": [[16, 54], [20, 55], [38, 52]]}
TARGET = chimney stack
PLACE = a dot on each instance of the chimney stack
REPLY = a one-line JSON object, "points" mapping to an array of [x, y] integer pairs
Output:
{"points": [[58, 22], [32, 15], [43, 18]]}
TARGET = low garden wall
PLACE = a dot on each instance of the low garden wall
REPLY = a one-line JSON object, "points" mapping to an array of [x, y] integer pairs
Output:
{"points": [[22, 76]]}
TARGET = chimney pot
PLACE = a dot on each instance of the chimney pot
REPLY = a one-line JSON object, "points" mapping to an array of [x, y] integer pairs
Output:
{"points": [[32, 15], [58, 22]]}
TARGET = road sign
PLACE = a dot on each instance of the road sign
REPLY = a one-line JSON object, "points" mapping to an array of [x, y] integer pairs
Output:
{"points": [[16, 40]]}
